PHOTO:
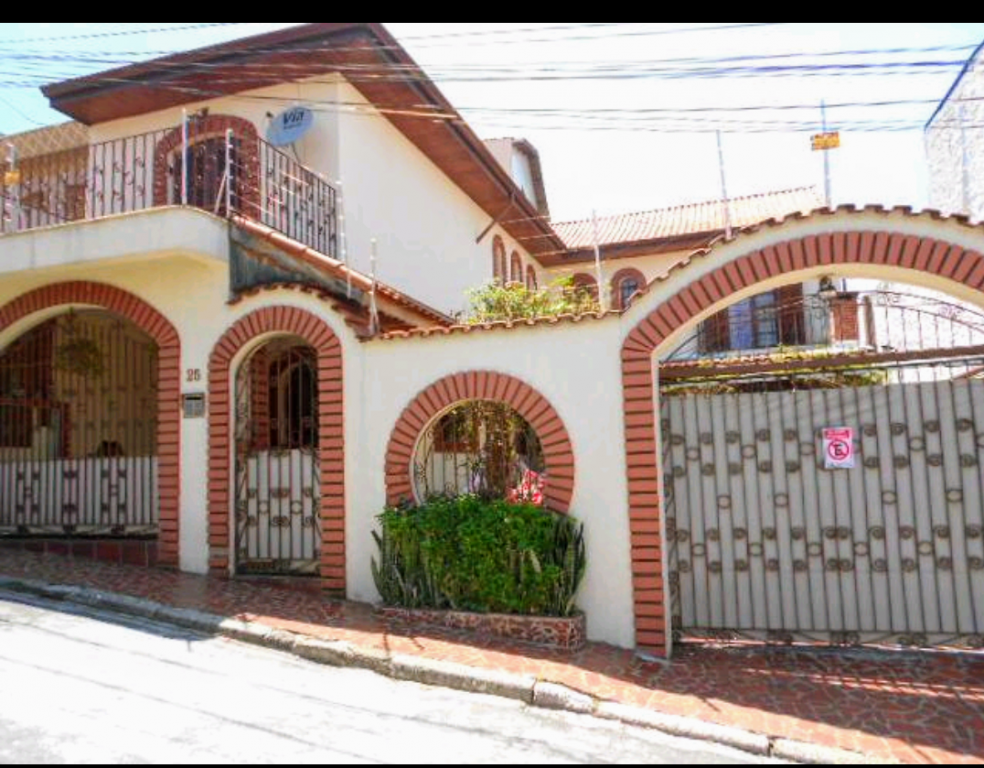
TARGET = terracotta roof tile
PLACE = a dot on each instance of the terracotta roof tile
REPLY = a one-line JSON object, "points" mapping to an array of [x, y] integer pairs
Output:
{"points": [[691, 219], [503, 325], [336, 269]]}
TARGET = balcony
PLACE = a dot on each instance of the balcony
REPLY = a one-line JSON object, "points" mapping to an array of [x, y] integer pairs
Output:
{"points": [[218, 164]]}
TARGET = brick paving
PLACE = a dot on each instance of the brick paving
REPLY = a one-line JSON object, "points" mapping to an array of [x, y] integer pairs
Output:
{"points": [[915, 708]]}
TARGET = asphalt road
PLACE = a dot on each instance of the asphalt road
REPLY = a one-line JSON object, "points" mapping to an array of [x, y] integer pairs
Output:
{"points": [[81, 686]]}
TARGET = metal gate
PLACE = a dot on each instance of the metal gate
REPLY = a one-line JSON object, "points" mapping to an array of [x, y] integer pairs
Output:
{"points": [[278, 476], [78, 429], [766, 543]]}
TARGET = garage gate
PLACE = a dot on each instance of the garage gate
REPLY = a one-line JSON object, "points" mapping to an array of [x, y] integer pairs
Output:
{"points": [[768, 543]]}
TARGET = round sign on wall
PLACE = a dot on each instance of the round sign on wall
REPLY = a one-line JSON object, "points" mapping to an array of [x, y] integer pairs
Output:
{"points": [[290, 126]]}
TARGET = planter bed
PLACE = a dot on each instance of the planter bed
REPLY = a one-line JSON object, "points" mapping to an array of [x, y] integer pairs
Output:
{"points": [[564, 634]]}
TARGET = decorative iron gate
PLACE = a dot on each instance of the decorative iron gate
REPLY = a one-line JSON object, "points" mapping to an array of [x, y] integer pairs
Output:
{"points": [[78, 429], [278, 476], [767, 543]]}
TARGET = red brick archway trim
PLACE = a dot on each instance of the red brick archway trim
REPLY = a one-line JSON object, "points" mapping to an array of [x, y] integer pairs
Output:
{"points": [[875, 248], [331, 438], [208, 127], [155, 325], [482, 385]]}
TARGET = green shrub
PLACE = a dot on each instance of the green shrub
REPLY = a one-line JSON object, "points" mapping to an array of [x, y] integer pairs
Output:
{"points": [[469, 554]]}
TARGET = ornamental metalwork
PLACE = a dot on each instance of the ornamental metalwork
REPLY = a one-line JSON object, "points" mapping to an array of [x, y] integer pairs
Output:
{"points": [[78, 429], [484, 448], [277, 466]]}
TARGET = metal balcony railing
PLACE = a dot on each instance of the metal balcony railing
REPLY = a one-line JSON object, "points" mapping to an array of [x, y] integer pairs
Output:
{"points": [[223, 172]]}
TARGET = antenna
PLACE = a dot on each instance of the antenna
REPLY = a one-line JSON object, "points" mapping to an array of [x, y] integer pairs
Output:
{"points": [[602, 295], [373, 309], [724, 190]]}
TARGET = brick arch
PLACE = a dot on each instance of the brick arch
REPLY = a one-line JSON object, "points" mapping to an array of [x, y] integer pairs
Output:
{"points": [[160, 329], [209, 127], [482, 385], [881, 249], [331, 437], [625, 274]]}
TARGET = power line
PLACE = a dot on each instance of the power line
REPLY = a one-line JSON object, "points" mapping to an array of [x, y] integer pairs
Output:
{"points": [[121, 33]]}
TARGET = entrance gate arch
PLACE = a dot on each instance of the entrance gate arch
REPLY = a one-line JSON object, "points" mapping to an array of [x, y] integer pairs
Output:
{"points": [[872, 242], [120, 303]]}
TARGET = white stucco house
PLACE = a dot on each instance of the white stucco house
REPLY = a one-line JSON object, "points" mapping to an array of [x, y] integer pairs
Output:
{"points": [[224, 356]]}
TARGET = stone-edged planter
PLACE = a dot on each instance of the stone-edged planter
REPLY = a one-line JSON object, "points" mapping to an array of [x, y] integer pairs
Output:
{"points": [[568, 634]]}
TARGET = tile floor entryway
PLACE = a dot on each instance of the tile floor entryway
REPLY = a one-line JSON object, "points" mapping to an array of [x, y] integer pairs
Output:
{"points": [[916, 708]]}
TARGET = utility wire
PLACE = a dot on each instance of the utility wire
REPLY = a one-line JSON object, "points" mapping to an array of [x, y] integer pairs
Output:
{"points": [[121, 33]]}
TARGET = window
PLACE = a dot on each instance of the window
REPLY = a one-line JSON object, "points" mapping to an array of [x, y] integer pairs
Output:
{"points": [[516, 269], [749, 324], [206, 161], [625, 285], [754, 323], [499, 259], [531, 281]]}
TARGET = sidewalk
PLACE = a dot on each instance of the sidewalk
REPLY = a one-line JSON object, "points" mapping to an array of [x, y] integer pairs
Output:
{"points": [[910, 708]]}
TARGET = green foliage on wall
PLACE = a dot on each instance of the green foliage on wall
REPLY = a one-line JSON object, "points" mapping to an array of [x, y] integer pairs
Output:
{"points": [[496, 302], [469, 554]]}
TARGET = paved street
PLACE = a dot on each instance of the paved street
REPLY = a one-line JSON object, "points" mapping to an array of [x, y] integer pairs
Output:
{"points": [[77, 686]]}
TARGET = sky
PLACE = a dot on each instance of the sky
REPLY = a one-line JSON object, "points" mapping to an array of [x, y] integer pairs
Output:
{"points": [[625, 116]]}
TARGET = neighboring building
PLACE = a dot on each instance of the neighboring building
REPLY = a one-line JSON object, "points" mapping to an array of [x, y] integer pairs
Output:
{"points": [[954, 139], [637, 248]]}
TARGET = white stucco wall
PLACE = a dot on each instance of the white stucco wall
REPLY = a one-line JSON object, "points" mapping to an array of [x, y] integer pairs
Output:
{"points": [[576, 367], [176, 261], [955, 148], [424, 224]]}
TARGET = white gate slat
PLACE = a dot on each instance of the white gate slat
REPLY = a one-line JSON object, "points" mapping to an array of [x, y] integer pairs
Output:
{"points": [[799, 550], [765, 472], [739, 511], [759, 619], [966, 549], [858, 413], [695, 524], [725, 513], [779, 509], [832, 506], [940, 397]]}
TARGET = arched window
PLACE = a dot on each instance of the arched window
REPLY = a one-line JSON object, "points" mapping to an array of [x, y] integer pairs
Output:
{"points": [[585, 282], [499, 259], [626, 284], [531, 281], [206, 160], [516, 268]]}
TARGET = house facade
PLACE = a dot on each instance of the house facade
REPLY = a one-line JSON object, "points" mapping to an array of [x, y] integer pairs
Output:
{"points": [[233, 356]]}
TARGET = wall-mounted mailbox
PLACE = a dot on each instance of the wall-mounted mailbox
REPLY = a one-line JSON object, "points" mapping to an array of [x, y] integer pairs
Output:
{"points": [[193, 405]]}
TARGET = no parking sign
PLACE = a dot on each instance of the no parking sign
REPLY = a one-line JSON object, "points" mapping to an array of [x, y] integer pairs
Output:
{"points": [[838, 448]]}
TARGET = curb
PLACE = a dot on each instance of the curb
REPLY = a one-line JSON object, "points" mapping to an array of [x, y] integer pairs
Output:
{"points": [[524, 688]]}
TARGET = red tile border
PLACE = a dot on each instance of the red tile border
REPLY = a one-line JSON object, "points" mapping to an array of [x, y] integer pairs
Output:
{"points": [[881, 248], [331, 417], [160, 329], [482, 385], [567, 634]]}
